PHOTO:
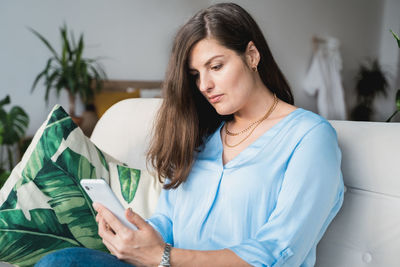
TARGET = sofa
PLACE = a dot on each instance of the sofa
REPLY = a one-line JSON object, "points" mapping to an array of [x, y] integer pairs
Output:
{"points": [[366, 231]]}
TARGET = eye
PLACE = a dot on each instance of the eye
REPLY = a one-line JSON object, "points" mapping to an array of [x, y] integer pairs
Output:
{"points": [[216, 67], [194, 74]]}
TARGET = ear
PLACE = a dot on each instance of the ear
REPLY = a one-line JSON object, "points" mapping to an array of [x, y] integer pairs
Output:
{"points": [[252, 55]]}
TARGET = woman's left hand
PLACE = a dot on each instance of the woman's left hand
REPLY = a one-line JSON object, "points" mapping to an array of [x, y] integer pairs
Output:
{"points": [[143, 247]]}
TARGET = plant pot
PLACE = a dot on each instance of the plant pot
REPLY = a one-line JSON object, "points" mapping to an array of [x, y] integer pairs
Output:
{"points": [[3, 177], [89, 120]]}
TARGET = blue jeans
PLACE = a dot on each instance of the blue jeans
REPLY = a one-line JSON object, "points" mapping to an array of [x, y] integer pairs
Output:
{"points": [[78, 256]]}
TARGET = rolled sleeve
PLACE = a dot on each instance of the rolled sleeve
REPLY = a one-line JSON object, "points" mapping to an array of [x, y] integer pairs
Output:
{"points": [[310, 196], [161, 219]]}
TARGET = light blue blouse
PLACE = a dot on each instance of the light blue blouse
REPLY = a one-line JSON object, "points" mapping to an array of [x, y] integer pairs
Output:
{"points": [[270, 204]]}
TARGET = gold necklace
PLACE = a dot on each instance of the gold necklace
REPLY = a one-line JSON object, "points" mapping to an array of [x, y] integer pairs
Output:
{"points": [[256, 123], [252, 124]]}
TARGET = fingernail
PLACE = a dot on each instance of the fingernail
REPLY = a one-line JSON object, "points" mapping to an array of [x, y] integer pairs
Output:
{"points": [[130, 211], [94, 205]]}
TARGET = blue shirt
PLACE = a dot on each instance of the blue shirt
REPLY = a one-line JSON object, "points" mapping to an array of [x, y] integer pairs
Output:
{"points": [[270, 204]]}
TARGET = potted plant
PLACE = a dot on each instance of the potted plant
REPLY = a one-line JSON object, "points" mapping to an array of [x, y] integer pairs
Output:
{"points": [[70, 71], [398, 91], [371, 81], [13, 125]]}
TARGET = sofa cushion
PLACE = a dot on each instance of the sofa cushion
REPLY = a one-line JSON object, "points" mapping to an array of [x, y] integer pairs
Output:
{"points": [[366, 230], [43, 208], [370, 159]]}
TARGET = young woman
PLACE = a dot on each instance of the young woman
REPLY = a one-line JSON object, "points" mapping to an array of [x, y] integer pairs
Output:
{"points": [[250, 179]]}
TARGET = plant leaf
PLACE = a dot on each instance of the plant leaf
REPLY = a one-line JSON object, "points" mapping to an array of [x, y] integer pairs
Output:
{"points": [[396, 37], [15, 125], [45, 42], [5, 101]]}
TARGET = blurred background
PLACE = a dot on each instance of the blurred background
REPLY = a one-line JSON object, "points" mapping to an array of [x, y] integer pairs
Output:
{"points": [[133, 39]]}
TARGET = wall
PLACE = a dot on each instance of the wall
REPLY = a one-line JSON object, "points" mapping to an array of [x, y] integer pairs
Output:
{"points": [[290, 25], [389, 55], [135, 38]]}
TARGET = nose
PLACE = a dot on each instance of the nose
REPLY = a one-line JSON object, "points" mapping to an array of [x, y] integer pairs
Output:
{"points": [[204, 83]]}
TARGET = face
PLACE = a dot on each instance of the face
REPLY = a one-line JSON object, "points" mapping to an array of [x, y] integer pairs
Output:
{"points": [[222, 76]]}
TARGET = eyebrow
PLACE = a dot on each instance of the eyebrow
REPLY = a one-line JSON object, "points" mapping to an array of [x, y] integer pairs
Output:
{"points": [[207, 62]]}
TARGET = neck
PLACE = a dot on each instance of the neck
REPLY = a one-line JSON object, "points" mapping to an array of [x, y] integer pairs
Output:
{"points": [[260, 101]]}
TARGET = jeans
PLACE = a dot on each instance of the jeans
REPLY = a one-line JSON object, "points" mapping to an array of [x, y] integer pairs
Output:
{"points": [[75, 257]]}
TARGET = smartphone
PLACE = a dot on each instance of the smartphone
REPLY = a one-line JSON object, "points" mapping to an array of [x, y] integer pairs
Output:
{"points": [[99, 191]]}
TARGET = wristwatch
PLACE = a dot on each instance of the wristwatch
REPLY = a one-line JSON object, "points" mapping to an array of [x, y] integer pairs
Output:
{"points": [[165, 257]]}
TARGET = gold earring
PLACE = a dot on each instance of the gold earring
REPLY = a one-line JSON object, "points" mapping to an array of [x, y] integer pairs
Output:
{"points": [[254, 68]]}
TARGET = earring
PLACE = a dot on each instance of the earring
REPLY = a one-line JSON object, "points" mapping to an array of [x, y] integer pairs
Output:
{"points": [[254, 68]]}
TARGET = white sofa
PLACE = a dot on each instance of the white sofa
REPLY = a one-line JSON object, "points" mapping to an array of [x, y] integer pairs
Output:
{"points": [[366, 232]]}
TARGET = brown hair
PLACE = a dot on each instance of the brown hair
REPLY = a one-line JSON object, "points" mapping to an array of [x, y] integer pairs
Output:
{"points": [[186, 118]]}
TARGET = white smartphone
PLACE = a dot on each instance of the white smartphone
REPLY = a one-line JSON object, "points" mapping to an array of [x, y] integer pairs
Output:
{"points": [[99, 191]]}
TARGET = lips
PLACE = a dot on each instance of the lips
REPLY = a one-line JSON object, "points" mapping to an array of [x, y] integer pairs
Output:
{"points": [[215, 98]]}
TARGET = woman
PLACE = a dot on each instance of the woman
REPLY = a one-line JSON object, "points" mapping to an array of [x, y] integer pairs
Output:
{"points": [[250, 178]]}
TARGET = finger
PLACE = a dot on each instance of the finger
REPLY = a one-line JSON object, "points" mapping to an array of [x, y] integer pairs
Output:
{"points": [[102, 228], [110, 247], [110, 218], [135, 219], [106, 232], [97, 206], [98, 217]]}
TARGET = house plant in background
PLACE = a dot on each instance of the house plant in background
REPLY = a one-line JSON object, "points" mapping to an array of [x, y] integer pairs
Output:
{"points": [[398, 90], [13, 125], [371, 81], [69, 70]]}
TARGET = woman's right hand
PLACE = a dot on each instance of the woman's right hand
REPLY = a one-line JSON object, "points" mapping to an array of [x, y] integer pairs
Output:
{"points": [[142, 247]]}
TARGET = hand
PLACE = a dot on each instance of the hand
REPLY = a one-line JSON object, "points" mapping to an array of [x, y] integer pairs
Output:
{"points": [[143, 247]]}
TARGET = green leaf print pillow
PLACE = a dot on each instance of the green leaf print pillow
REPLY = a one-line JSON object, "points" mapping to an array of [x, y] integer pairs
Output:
{"points": [[42, 205]]}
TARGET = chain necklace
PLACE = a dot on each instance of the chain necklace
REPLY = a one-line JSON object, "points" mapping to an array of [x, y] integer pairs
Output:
{"points": [[252, 124], [255, 124]]}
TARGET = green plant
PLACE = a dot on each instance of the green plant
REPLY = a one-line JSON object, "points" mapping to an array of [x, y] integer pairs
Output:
{"points": [[398, 91], [13, 125], [371, 81], [69, 70]]}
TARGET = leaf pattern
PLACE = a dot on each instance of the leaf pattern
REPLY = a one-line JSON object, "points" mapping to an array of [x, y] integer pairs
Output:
{"points": [[70, 220], [103, 159], [129, 181], [23, 242], [11, 201], [54, 133]]}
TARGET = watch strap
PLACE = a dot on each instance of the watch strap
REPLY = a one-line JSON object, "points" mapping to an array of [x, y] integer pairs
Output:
{"points": [[166, 256]]}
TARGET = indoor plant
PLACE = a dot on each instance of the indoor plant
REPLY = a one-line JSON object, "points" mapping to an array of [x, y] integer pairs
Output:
{"points": [[70, 71], [13, 125], [398, 91], [371, 81]]}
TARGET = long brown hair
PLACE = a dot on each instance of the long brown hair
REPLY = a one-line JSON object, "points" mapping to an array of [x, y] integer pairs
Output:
{"points": [[186, 118]]}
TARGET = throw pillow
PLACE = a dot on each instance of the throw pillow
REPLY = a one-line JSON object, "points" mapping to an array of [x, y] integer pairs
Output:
{"points": [[42, 205], [148, 189]]}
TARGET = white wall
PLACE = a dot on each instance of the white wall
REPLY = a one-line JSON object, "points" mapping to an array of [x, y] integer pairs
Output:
{"points": [[290, 25], [136, 37], [389, 55]]}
